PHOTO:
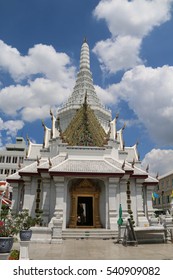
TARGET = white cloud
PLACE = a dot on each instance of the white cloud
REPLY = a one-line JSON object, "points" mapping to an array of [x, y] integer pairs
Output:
{"points": [[160, 161], [11, 127], [41, 59], [106, 96], [149, 93], [128, 22], [119, 53], [32, 96], [31, 100], [129, 122]]}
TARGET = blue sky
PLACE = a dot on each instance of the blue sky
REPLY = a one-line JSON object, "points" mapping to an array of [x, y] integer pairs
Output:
{"points": [[131, 47]]}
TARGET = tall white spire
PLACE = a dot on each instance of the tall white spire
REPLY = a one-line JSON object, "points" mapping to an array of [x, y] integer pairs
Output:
{"points": [[84, 84], [84, 56]]}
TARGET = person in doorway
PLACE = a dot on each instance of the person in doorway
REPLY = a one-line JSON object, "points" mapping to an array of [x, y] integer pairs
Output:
{"points": [[80, 214]]}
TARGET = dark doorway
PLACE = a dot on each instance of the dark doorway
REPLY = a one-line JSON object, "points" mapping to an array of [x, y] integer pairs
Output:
{"points": [[85, 211]]}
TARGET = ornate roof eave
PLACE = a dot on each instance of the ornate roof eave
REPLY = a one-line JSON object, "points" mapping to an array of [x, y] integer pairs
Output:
{"points": [[150, 184], [30, 174], [139, 176], [86, 174], [12, 180]]}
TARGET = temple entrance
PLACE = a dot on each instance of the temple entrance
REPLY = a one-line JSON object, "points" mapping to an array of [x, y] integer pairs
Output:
{"points": [[85, 205], [85, 211]]}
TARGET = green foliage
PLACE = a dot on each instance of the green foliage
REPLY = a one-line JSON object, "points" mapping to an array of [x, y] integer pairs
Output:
{"points": [[25, 221], [14, 255], [8, 226]]}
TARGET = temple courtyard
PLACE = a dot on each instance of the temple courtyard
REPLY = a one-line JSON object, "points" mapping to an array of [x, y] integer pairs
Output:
{"points": [[88, 249]]}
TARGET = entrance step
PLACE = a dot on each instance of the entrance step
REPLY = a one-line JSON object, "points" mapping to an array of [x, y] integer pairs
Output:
{"points": [[89, 234]]}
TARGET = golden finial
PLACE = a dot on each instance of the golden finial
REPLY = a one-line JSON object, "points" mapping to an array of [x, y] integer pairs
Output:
{"points": [[27, 138], [124, 126], [38, 161], [51, 112], [117, 116], [123, 165], [50, 163], [147, 168], [85, 40], [133, 163], [43, 124]]}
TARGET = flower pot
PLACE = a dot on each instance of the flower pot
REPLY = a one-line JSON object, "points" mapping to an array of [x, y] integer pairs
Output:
{"points": [[6, 243], [25, 234]]}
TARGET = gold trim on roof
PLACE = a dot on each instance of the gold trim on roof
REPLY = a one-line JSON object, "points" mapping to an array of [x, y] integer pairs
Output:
{"points": [[85, 129]]}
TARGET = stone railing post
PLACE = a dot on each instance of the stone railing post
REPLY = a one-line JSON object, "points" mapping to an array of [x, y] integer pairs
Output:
{"points": [[57, 229], [24, 250]]}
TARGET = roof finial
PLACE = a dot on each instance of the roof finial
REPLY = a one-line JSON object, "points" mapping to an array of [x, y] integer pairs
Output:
{"points": [[117, 116], [85, 40], [147, 168]]}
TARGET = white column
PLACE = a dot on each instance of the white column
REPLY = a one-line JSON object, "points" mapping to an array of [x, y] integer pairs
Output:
{"points": [[27, 193], [149, 191], [59, 200], [123, 196], [15, 197], [113, 205], [141, 218], [46, 199]]}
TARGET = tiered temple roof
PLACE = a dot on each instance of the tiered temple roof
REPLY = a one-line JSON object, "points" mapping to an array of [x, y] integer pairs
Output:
{"points": [[85, 129]]}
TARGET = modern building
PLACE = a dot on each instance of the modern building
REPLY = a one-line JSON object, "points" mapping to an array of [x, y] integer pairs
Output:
{"points": [[163, 195], [12, 157], [83, 172]]}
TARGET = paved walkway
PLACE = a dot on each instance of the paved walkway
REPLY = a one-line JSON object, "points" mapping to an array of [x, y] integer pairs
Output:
{"points": [[89, 249]]}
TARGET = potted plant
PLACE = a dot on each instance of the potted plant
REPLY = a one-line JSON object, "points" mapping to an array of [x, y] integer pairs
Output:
{"points": [[14, 255], [25, 222], [8, 228]]}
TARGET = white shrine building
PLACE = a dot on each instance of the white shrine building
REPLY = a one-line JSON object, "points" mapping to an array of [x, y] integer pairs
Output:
{"points": [[83, 162]]}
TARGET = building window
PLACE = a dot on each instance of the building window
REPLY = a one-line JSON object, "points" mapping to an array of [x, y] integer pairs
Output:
{"points": [[13, 171], [14, 159], [163, 199], [2, 159], [8, 159], [159, 200], [7, 171], [167, 184], [168, 199], [20, 159], [1, 171]]}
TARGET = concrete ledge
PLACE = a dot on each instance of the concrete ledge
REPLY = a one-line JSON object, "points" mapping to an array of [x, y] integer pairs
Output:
{"points": [[41, 235], [151, 234]]}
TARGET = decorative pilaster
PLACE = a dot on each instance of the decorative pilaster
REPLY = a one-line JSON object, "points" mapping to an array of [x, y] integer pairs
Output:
{"points": [[15, 198], [59, 201], [149, 205], [113, 204], [27, 194], [141, 218], [123, 195], [46, 199]]}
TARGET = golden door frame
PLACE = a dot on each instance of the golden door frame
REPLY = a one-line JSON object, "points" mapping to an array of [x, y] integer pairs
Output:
{"points": [[85, 189]]}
